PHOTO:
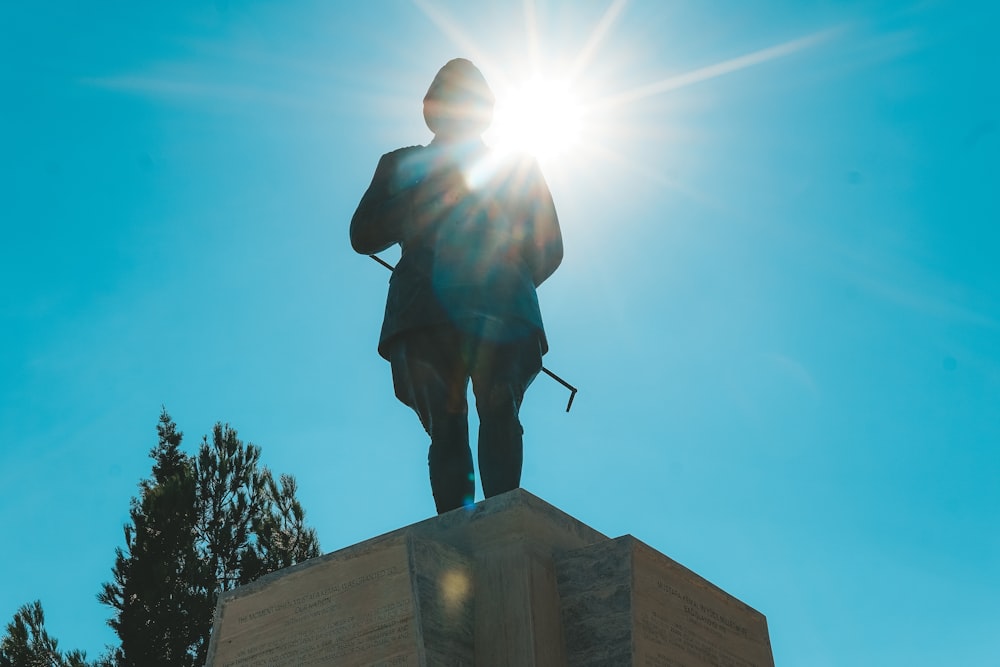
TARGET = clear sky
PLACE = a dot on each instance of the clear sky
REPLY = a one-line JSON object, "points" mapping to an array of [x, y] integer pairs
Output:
{"points": [[780, 298]]}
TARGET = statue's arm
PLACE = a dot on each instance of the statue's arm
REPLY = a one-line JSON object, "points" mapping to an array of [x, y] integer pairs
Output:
{"points": [[384, 209], [544, 250]]}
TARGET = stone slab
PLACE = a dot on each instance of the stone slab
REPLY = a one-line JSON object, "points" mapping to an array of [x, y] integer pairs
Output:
{"points": [[397, 601], [626, 604], [512, 540], [444, 584], [516, 516], [510, 582]]}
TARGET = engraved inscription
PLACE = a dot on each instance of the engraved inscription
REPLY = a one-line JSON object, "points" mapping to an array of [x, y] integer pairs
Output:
{"points": [[395, 661], [660, 660], [316, 599], [682, 621], [352, 611], [347, 636], [704, 615], [656, 628], [678, 633]]}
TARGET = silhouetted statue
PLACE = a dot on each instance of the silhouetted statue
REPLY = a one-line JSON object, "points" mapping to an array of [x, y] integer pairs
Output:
{"points": [[478, 233]]}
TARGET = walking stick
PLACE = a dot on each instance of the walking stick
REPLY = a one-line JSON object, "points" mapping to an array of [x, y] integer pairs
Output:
{"points": [[572, 389]]}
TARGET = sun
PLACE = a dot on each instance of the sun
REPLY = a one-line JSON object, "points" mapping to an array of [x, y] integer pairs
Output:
{"points": [[565, 115], [542, 117]]}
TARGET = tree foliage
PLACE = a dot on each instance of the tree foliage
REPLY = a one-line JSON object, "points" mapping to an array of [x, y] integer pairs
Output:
{"points": [[200, 525], [26, 643], [161, 591]]}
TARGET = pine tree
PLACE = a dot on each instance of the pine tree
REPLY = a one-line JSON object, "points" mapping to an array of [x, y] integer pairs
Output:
{"points": [[232, 493], [27, 643], [160, 593], [199, 526], [283, 538], [251, 525]]}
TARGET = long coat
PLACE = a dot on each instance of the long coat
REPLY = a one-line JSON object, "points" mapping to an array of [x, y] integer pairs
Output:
{"points": [[478, 234]]}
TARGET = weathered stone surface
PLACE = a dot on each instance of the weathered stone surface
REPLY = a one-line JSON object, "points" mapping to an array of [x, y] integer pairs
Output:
{"points": [[512, 540], [444, 585], [391, 601], [516, 516], [511, 582], [627, 604], [341, 607], [596, 596]]}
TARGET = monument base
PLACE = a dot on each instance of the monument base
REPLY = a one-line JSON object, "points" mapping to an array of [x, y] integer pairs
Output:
{"points": [[510, 582]]}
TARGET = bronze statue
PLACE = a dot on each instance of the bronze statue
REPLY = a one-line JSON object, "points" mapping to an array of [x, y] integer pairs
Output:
{"points": [[478, 233]]}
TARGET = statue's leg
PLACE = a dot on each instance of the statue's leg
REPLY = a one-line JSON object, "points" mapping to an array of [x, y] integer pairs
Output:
{"points": [[500, 440], [450, 462], [429, 376], [501, 375]]}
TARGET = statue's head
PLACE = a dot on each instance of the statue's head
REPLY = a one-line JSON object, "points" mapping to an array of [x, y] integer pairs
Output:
{"points": [[459, 103]]}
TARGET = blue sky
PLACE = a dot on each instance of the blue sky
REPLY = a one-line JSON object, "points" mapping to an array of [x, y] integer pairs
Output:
{"points": [[780, 298]]}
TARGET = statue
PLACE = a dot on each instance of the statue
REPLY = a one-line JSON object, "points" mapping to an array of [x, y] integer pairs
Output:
{"points": [[478, 233]]}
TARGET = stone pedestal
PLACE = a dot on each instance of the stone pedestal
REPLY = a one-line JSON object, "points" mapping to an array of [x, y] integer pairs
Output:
{"points": [[624, 603], [511, 582]]}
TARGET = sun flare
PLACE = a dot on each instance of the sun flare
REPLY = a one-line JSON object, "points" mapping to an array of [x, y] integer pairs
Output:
{"points": [[570, 114], [541, 117]]}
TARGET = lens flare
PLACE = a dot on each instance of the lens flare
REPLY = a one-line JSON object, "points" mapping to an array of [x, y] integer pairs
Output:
{"points": [[541, 117], [456, 588]]}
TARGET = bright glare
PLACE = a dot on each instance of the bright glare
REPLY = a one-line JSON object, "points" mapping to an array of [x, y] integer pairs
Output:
{"points": [[541, 117]]}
